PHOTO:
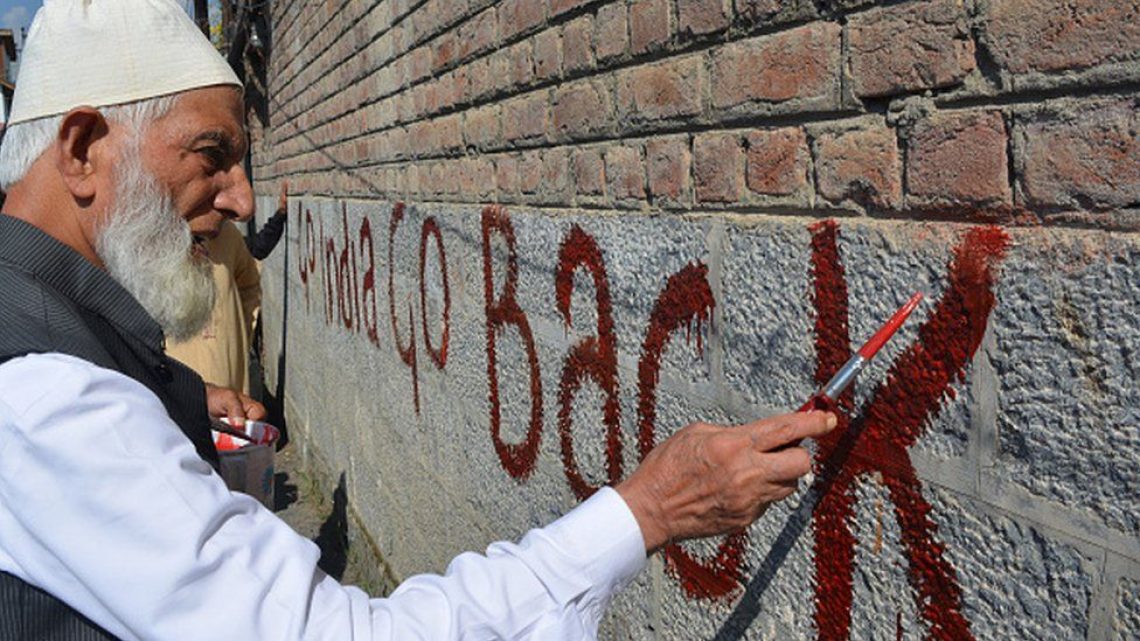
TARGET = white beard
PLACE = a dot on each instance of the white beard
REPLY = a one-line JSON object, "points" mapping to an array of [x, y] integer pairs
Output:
{"points": [[146, 246]]}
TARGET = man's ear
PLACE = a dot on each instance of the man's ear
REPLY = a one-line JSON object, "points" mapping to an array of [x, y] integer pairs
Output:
{"points": [[82, 133]]}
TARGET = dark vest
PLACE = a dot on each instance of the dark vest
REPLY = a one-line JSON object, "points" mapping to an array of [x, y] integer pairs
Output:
{"points": [[54, 300]]}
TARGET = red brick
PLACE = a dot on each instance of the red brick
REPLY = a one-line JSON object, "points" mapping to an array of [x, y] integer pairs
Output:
{"points": [[556, 181], [482, 128], [959, 159], [444, 50], [480, 79], [521, 57], [578, 44], [1054, 35], [718, 167], [860, 165], [665, 90], [453, 87], [478, 34], [589, 172], [506, 175], [778, 162], [518, 16], [612, 38], [581, 108], [530, 171], [419, 64], [703, 16], [625, 176], [1085, 160], [548, 54], [802, 63], [910, 47], [559, 7], [526, 116], [648, 25], [668, 163]]}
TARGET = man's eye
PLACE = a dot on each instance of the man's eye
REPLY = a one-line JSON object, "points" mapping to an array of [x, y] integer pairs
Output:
{"points": [[214, 155]]}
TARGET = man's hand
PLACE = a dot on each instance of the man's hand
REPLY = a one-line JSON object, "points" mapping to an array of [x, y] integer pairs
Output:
{"points": [[223, 402], [709, 479], [283, 197]]}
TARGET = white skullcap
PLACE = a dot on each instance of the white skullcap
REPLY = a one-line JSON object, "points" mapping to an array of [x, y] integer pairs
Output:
{"points": [[109, 52]]}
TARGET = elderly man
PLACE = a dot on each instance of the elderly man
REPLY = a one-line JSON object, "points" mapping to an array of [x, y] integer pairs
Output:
{"points": [[124, 156]]}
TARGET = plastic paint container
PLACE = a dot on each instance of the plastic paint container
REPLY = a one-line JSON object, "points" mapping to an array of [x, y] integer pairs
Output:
{"points": [[247, 466]]}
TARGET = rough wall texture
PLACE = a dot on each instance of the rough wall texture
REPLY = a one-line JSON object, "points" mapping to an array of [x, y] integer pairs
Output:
{"points": [[531, 238]]}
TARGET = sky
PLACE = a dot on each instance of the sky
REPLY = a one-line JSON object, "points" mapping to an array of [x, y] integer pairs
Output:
{"points": [[18, 13]]}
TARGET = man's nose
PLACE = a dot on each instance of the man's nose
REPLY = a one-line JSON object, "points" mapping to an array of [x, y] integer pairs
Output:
{"points": [[236, 198]]}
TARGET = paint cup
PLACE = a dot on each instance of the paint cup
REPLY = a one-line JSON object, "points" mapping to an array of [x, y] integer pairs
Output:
{"points": [[247, 466]]}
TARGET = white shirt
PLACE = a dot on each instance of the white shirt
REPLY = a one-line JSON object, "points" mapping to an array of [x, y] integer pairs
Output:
{"points": [[105, 504]]}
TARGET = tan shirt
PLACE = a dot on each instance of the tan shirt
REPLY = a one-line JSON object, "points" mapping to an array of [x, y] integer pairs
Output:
{"points": [[220, 353]]}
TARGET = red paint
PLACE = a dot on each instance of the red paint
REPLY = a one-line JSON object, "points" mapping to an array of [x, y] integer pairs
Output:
{"points": [[439, 357], [308, 259], [371, 324], [329, 275], [593, 357], [407, 352], [686, 300], [517, 459], [892, 421], [345, 297]]}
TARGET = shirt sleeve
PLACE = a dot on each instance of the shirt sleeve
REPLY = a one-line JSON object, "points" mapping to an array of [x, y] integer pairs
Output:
{"points": [[104, 504], [263, 242]]}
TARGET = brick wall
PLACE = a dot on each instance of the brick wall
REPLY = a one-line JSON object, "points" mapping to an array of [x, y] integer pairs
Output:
{"points": [[765, 165]]}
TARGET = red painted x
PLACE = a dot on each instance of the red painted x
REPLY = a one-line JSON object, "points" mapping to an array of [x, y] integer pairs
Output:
{"points": [[892, 421]]}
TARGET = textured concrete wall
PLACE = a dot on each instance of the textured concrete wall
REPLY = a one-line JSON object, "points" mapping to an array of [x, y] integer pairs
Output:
{"points": [[532, 238]]}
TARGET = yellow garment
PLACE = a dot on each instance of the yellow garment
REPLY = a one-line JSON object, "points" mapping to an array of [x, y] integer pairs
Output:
{"points": [[220, 353]]}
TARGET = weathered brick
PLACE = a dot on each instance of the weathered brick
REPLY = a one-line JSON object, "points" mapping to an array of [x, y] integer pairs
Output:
{"points": [[559, 7], [757, 10], [506, 175], [530, 171], [419, 64], [518, 16], [478, 34], [649, 26], [589, 172], [802, 64], [625, 176], [482, 128], [910, 47], [778, 162], [959, 159], [556, 182], [581, 108], [1054, 35], [668, 162], [860, 165], [578, 44], [718, 167], [612, 37], [548, 54], [665, 90], [703, 16], [521, 58], [1086, 160], [480, 79], [444, 50], [525, 117]]}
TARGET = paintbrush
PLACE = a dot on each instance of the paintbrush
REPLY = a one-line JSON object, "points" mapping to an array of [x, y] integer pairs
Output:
{"points": [[826, 397], [226, 428]]}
